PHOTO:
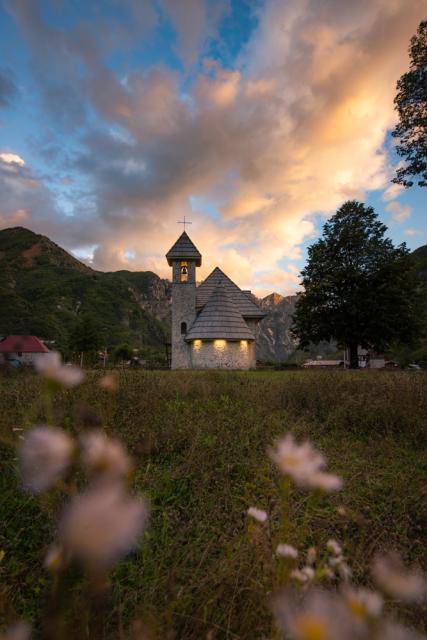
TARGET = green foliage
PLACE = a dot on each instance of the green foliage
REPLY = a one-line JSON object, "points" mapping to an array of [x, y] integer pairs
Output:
{"points": [[358, 288], [86, 336], [44, 291], [199, 441], [122, 352], [411, 105]]}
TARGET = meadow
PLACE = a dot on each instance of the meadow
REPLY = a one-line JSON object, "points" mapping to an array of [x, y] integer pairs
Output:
{"points": [[199, 441]]}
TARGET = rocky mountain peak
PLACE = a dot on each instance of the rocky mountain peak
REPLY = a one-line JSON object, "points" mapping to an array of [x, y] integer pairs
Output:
{"points": [[271, 300]]}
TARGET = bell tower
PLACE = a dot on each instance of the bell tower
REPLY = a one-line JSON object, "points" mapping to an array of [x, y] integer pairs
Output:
{"points": [[183, 257]]}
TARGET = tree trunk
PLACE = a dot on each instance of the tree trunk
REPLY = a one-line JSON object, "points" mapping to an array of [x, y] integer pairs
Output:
{"points": [[353, 355]]}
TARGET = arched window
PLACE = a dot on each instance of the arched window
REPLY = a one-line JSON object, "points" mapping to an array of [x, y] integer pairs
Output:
{"points": [[184, 272], [183, 328]]}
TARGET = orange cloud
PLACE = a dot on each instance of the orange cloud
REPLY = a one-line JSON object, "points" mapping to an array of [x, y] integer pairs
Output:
{"points": [[296, 128]]}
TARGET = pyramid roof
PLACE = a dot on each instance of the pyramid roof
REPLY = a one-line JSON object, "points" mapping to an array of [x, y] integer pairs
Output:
{"points": [[242, 300], [184, 249], [219, 319]]}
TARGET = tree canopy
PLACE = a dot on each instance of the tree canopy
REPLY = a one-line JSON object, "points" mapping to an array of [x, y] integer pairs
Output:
{"points": [[358, 288], [87, 335], [122, 352], [411, 105]]}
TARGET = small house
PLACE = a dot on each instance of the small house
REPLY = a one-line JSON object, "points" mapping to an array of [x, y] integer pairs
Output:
{"points": [[22, 349]]}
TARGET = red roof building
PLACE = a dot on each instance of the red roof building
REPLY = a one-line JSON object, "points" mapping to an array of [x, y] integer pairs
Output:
{"points": [[22, 344]]}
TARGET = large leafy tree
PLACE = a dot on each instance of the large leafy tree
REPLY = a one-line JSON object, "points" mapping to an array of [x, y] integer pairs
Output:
{"points": [[358, 288], [411, 105], [86, 336]]}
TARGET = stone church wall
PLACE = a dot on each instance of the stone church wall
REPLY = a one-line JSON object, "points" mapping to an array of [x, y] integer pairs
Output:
{"points": [[183, 311], [222, 354]]}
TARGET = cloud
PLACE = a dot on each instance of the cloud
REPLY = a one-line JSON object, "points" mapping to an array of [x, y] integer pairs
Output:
{"points": [[11, 158], [392, 192], [399, 212], [27, 201], [8, 89], [297, 127], [195, 23], [412, 232]]}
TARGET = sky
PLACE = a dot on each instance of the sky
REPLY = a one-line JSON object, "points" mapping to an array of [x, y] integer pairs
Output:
{"points": [[255, 119]]}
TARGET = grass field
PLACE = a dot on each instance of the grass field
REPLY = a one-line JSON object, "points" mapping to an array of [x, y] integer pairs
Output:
{"points": [[199, 441]]}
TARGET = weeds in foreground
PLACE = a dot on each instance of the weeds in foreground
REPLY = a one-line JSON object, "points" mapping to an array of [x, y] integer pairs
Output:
{"points": [[313, 597]]}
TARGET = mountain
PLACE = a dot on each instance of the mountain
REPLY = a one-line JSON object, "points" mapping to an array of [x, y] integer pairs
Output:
{"points": [[45, 291], [274, 339], [275, 342]]}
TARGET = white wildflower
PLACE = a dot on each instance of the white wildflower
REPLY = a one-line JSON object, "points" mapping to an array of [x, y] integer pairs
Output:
{"points": [[297, 461], [109, 382], [339, 564], [364, 603], [258, 514], [45, 454], [286, 551], [317, 615], [51, 367], [303, 464], [104, 456], [333, 546], [326, 482], [396, 580], [102, 525], [309, 572], [298, 575]]}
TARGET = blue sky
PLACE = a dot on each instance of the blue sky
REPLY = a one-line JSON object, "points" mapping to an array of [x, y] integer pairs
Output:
{"points": [[256, 119]]}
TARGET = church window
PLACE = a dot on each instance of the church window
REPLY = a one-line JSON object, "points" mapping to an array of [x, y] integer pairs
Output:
{"points": [[184, 271], [220, 345], [183, 328]]}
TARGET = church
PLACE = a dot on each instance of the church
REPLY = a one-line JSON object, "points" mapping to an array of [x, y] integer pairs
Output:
{"points": [[213, 324]]}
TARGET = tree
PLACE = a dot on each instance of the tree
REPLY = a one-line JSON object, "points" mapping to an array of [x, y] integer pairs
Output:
{"points": [[411, 105], [86, 336], [122, 352], [358, 288]]}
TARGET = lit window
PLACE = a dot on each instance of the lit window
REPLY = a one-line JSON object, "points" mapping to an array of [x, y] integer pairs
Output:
{"points": [[184, 271], [220, 345], [243, 345], [197, 344]]}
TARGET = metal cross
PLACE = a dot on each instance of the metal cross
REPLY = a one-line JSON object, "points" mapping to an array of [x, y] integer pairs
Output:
{"points": [[184, 222]]}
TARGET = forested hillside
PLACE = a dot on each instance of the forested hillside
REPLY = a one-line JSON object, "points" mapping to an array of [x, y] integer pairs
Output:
{"points": [[46, 292]]}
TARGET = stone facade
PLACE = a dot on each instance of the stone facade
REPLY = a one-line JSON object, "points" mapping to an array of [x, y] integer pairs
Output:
{"points": [[222, 354], [183, 313], [213, 330]]}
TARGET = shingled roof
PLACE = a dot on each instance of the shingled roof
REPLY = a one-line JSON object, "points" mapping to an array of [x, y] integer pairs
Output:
{"points": [[184, 249], [241, 299], [219, 319]]}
